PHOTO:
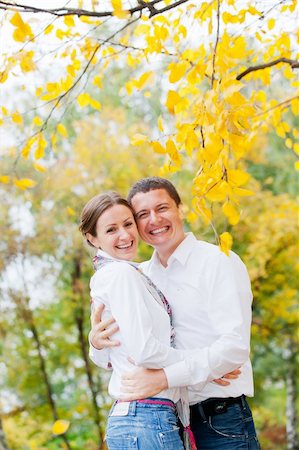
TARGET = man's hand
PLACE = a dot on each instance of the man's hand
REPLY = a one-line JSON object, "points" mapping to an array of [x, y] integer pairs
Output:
{"points": [[142, 383], [233, 375], [102, 330]]}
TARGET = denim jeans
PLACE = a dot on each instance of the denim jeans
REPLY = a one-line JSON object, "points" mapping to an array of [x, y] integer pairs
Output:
{"points": [[231, 430], [144, 427]]}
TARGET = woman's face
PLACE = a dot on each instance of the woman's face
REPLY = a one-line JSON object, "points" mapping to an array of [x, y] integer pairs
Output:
{"points": [[117, 233]]}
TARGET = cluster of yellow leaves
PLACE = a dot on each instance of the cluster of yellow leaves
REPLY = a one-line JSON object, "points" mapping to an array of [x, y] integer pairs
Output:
{"points": [[215, 119], [22, 30]]}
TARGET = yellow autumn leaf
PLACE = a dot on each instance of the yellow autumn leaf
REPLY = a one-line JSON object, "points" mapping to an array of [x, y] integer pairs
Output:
{"points": [[191, 217], [95, 104], [160, 124], [60, 427], [3, 76], [69, 21], [177, 71], [231, 213], [218, 192], [158, 148], [296, 165], [237, 177], [48, 29], [118, 10], [144, 79], [225, 242], [37, 121], [71, 211], [97, 81], [271, 24], [41, 145], [296, 148], [288, 143], [139, 139], [17, 118], [141, 29], [17, 20], [62, 130], [24, 183], [172, 99], [83, 99], [4, 179], [27, 64], [39, 168], [54, 142], [241, 192]]}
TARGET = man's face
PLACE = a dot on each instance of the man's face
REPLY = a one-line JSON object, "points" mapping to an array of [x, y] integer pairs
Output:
{"points": [[158, 219]]}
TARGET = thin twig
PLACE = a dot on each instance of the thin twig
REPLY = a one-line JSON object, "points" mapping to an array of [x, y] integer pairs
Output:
{"points": [[216, 43]]}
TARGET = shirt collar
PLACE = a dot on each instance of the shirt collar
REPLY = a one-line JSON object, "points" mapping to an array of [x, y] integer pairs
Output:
{"points": [[106, 255], [181, 253]]}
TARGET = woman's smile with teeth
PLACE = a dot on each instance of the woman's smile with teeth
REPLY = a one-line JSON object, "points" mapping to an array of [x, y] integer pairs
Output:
{"points": [[123, 246]]}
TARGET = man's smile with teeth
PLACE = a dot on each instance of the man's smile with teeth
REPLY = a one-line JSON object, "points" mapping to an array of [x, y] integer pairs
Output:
{"points": [[159, 230]]}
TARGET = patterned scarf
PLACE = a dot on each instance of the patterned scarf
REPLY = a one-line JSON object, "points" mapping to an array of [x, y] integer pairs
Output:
{"points": [[99, 261]]}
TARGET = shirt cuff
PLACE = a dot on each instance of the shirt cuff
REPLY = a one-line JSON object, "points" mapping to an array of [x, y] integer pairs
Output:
{"points": [[177, 374], [100, 357]]}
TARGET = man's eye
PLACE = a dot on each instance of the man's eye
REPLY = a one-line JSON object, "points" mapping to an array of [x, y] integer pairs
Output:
{"points": [[141, 216], [163, 208]]}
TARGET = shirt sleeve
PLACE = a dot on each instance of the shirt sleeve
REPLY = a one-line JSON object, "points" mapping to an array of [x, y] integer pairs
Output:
{"points": [[230, 299], [129, 300], [99, 357]]}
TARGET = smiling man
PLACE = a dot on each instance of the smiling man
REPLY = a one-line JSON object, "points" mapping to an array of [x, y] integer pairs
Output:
{"points": [[210, 297]]}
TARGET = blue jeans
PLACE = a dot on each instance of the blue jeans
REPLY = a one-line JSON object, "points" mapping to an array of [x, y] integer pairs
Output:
{"points": [[231, 430], [144, 427]]}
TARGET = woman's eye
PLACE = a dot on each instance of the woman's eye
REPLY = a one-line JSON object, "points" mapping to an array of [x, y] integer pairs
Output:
{"points": [[128, 224], [110, 230]]}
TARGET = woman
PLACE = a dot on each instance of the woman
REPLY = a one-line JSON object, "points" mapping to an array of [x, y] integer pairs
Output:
{"points": [[145, 331]]}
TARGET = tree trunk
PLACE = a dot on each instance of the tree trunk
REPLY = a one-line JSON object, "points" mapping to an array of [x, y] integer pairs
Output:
{"points": [[3, 443], [79, 319], [291, 428], [28, 317]]}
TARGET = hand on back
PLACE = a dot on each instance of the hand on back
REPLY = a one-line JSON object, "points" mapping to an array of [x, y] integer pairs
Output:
{"points": [[102, 330]]}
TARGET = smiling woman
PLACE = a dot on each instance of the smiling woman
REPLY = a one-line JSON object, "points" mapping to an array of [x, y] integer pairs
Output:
{"points": [[144, 319]]}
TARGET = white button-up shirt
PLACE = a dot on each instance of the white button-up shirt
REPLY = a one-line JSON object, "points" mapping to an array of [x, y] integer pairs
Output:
{"points": [[211, 298]]}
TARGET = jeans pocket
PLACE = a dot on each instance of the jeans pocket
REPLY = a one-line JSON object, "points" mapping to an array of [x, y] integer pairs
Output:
{"points": [[171, 439], [122, 443], [229, 424]]}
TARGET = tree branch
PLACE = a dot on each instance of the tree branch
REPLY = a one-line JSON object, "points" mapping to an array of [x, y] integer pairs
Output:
{"points": [[60, 12], [216, 43], [292, 62]]}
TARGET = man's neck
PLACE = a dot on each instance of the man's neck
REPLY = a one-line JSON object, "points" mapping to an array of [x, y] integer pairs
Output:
{"points": [[164, 253]]}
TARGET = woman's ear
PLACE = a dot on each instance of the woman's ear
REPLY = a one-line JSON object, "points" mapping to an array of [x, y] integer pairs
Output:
{"points": [[92, 240]]}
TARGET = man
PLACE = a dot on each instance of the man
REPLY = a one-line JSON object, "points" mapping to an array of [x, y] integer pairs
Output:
{"points": [[211, 299]]}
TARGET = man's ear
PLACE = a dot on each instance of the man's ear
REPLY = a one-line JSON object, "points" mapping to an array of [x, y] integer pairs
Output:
{"points": [[181, 211], [92, 240]]}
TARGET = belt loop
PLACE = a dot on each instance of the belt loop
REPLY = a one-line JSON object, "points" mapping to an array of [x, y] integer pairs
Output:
{"points": [[243, 400], [201, 412], [133, 405]]}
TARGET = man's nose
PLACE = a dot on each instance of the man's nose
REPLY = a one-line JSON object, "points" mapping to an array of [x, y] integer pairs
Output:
{"points": [[154, 217]]}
